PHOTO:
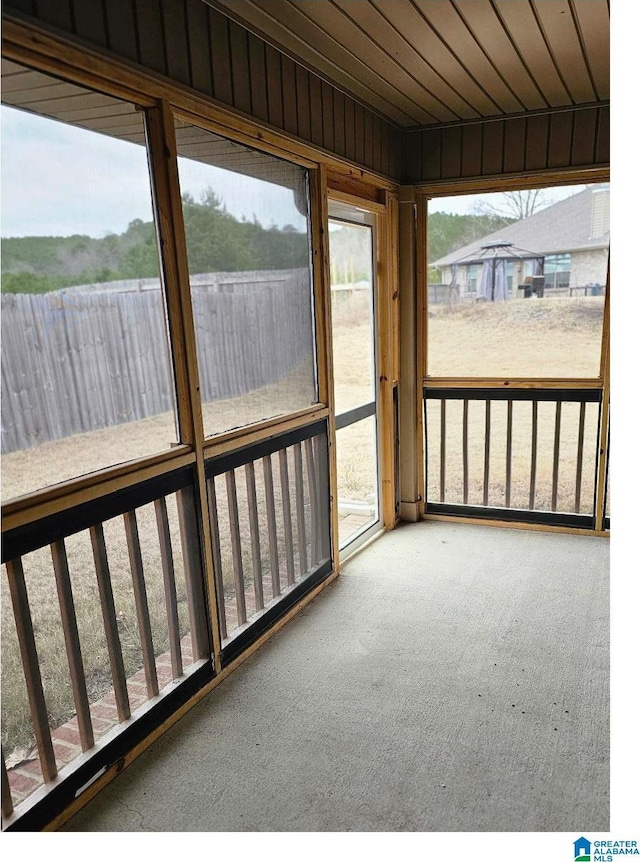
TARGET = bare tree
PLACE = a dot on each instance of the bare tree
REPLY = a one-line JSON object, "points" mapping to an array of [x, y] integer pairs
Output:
{"points": [[514, 206]]}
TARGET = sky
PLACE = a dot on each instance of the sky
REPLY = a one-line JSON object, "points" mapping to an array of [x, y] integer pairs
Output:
{"points": [[467, 204], [59, 180]]}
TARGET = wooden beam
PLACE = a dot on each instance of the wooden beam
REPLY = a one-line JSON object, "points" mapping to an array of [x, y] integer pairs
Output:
{"points": [[516, 181], [386, 305], [512, 383], [517, 525], [410, 421], [603, 442], [324, 336], [164, 155], [66, 495]]}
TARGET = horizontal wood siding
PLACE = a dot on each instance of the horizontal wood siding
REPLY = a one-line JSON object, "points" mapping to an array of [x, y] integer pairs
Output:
{"points": [[199, 47], [566, 139]]}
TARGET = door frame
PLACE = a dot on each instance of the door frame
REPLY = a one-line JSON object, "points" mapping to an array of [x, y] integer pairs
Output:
{"points": [[371, 215]]}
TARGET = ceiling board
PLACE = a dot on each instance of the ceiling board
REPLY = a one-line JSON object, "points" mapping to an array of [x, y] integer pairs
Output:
{"points": [[319, 52], [428, 89], [558, 26], [593, 23], [418, 32], [451, 28], [427, 62], [483, 22]]}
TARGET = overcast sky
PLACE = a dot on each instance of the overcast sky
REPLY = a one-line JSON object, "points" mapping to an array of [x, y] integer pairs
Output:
{"points": [[59, 180], [467, 204]]}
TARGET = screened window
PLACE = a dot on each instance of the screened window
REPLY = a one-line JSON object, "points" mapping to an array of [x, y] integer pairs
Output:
{"points": [[87, 380], [246, 218], [525, 284]]}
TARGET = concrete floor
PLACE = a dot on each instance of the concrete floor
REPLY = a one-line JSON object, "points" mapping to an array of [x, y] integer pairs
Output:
{"points": [[454, 678]]}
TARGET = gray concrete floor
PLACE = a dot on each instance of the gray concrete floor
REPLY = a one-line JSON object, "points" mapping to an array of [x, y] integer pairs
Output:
{"points": [[454, 678]]}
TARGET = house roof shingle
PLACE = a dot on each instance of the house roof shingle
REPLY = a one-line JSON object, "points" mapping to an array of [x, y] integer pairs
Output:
{"points": [[562, 227]]}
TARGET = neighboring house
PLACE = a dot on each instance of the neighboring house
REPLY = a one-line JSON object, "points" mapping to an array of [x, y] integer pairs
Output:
{"points": [[572, 235]]}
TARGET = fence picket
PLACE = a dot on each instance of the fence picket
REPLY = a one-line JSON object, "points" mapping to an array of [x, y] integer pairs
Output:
{"points": [[82, 359]]}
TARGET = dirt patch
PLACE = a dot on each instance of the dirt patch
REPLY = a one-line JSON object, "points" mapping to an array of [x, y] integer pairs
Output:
{"points": [[525, 338]]}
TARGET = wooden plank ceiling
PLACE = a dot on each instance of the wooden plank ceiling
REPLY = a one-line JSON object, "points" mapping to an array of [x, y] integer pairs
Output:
{"points": [[425, 62]]}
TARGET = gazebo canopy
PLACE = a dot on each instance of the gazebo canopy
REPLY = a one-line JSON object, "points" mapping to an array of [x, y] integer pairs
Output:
{"points": [[498, 250], [494, 256]]}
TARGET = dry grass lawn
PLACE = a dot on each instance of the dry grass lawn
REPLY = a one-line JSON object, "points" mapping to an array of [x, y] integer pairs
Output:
{"points": [[536, 338]]}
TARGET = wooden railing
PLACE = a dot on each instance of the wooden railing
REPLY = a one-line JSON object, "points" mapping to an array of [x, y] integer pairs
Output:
{"points": [[129, 563], [520, 454], [269, 517], [150, 558]]}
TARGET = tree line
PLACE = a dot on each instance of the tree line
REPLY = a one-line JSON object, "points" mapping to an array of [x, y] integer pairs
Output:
{"points": [[216, 242]]}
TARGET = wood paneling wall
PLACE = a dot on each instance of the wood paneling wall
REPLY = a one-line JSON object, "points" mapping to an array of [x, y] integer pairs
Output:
{"points": [[574, 138], [193, 44]]}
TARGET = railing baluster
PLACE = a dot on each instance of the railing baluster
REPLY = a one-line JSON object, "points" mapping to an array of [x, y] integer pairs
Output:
{"points": [[169, 579], [286, 514], [274, 562], [299, 486], [250, 478], [72, 643], [217, 559], [193, 574], [311, 479], [465, 450], [580, 456], [236, 549], [322, 486], [110, 622], [7, 801], [31, 666], [443, 447], [534, 453], [487, 452], [142, 604], [507, 484], [556, 458]]}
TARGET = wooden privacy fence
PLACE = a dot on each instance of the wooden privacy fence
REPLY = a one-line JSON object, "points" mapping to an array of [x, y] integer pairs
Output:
{"points": [[77, 361]]}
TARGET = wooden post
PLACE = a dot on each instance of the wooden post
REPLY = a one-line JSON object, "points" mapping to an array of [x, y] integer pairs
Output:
{"points": [[324, 342], [386, 305], [163, 157], [605, 372], [410, 420]]}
